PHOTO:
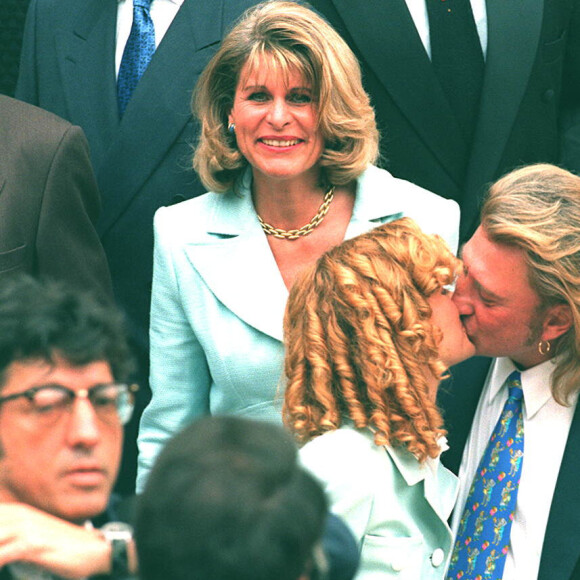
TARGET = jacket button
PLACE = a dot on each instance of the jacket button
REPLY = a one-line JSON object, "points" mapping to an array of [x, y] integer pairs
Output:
{"points": [[398, 563], [437, 557], [548, 95]]}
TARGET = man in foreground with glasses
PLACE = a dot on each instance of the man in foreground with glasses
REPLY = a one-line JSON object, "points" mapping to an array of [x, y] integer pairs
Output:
{"points": [[63, 403]]}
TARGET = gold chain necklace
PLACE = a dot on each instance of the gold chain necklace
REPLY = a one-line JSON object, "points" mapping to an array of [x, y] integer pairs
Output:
{"points": [[304, 230]]}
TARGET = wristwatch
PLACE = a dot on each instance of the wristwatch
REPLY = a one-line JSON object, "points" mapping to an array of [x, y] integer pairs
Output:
{"points": [[118, 534]]}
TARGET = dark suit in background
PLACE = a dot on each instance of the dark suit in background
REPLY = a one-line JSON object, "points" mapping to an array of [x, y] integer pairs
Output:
{"points": [[143, 161], [458, 397], [12, 14], [48, 200], [530, 94]]}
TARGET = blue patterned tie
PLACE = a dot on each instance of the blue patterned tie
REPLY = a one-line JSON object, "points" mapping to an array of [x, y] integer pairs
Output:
{"points": [[484, 532], [137, 54]]}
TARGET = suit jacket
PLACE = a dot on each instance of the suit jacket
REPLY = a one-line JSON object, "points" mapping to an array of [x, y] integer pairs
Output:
{"points": [[529, 104], [458, 398], [396, 507], [48, 200], [218, 302], [143, 161]]}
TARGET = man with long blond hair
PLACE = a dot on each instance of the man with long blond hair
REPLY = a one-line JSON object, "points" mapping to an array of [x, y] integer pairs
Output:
{"points": [[519, 299]]}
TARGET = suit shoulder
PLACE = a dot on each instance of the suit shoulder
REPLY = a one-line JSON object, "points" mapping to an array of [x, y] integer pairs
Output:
{"points": [[28, 121], [34, 136], [381, 180], [65, 12], [188, 215], [340, 452]]}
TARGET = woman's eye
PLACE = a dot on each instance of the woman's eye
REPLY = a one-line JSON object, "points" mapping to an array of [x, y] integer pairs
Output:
{"points": [[300, 98], [259, 97]]}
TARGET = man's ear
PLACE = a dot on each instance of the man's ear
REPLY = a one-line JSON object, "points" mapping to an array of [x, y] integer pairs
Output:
{"points": [[558, 320]]}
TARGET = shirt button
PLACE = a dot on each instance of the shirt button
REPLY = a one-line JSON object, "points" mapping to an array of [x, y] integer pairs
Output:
{"points": [[398, 563], [437, 557], [548, 96]]}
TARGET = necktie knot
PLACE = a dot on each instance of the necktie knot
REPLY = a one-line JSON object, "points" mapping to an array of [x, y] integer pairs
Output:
{"points": [[143, 4], [514, 385]]}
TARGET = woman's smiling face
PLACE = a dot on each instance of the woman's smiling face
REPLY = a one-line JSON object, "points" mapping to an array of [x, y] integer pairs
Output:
{"points": [[276, 122]]}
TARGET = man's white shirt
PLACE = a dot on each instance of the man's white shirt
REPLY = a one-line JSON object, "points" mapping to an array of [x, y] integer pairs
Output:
{"points": [[418, 10], [546, 427], [162, 13]]}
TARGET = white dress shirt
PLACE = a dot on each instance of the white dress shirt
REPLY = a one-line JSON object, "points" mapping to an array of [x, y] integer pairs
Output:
{"points": [[418, 10], [546, 427], [162, 13]]}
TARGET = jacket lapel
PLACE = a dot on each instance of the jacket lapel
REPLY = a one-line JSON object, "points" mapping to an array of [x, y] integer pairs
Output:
{"points": [[235, 240], [160, 107], [561, 549], [247, 281], [387, 38], [87, 57], [513, 35], [371, 210], [458, 397], [440, 493]]}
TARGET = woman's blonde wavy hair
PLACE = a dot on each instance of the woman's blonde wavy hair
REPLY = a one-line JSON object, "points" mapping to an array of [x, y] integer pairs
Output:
{"points": [[290, 38], [537, 209], [359, 338]]}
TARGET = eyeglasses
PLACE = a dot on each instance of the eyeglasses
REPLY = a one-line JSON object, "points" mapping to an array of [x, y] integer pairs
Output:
{"points": [[113, 403]]}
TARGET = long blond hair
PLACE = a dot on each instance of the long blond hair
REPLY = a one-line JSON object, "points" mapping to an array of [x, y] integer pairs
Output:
{"points": [[537, 209], [359, 340], [290, 38]]}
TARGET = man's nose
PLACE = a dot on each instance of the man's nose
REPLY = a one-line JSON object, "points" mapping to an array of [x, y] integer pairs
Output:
{"points": [[461, 296], [84, 428]]}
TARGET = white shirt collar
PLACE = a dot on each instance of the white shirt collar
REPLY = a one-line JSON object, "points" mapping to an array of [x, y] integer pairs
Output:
{"points": [[176, 2], [536, 383]]}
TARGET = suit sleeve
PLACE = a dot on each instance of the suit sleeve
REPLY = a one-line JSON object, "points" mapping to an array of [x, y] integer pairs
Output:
{"points": [[180, 379], [67, 245]]}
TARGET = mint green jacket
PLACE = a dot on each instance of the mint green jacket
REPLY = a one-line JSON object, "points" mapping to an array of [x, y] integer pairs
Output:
{"points": [[218, 302], [396, 507]]}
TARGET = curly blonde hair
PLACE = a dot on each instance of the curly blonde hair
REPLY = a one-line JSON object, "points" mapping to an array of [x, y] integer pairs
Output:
{"points": [[359, 338], [290, 38]]}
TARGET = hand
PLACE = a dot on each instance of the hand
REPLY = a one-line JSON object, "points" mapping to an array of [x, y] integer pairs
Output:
{"points": [[30, 535]]}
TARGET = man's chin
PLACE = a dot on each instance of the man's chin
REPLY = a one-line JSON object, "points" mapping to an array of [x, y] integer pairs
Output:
{"points": [[82, 507], [479, 348]]}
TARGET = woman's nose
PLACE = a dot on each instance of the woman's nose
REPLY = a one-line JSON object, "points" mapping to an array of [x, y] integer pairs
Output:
{"points": [[279, 113]]}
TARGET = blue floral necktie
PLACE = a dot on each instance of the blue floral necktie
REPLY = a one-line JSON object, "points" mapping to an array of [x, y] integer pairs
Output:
{"points": [[137, 54], [484, 532]]}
